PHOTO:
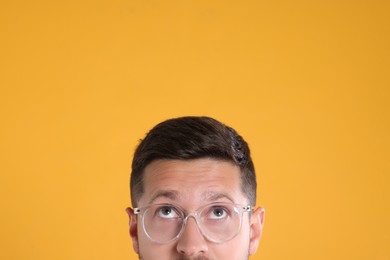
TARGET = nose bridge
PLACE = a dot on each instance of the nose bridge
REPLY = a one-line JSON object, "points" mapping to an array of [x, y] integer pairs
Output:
{"points": [[194, 215], [197, 224], [191, 241]]}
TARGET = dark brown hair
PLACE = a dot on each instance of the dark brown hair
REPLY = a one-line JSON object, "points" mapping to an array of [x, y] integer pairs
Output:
{"points": [[191, 137]]}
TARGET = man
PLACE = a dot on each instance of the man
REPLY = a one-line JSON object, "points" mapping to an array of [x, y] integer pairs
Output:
{"points": [[193, 189]]}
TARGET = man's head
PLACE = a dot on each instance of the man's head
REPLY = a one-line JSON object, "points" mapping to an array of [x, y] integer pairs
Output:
{"points": [[193, 164]]}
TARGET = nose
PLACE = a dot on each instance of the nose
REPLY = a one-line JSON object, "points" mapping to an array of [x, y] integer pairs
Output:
{"points": [[191, 242]]}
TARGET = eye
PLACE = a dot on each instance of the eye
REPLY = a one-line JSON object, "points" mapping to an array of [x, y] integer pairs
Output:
{"points": [[217, 212], [167, 212]]}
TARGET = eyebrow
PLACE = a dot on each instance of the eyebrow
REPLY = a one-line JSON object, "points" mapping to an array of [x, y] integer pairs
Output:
{"points": [[214, 196], [169, 194], [174, 195]]}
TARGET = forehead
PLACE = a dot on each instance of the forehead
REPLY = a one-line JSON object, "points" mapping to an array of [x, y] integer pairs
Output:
{"points": [[196, 181]]}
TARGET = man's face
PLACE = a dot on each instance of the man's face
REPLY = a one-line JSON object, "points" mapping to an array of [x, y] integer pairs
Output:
{"points": [[192, 184]]}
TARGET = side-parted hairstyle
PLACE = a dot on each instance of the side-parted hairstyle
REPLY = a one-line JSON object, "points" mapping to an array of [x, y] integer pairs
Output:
{"points": [[191, 137]]}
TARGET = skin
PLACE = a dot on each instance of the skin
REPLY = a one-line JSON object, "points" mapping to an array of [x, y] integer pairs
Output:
{"points": [[192, 184]]}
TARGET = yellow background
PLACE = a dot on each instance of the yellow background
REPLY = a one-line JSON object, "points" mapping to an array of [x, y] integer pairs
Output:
{"points": [[305, 82]]}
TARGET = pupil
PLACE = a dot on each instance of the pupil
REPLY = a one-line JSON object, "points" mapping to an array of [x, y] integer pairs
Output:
{"points": [[166, 211], [218, 212]]}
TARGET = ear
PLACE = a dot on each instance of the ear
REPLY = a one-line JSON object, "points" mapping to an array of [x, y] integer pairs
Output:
{"points": [[133, 228], [256, 228]]}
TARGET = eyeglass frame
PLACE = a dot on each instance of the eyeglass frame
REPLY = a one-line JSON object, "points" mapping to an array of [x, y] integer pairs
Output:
{"points": [[195, 214]]}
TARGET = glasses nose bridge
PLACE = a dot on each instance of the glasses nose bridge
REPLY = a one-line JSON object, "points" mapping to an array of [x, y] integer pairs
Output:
{"points": [[194, 215]]}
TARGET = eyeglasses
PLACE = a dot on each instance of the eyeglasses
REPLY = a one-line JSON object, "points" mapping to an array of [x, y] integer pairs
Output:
{"points": [[218, 222]]}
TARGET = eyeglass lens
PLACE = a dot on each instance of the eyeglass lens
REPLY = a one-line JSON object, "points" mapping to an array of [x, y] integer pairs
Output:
{"points": [[217, 222]]}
